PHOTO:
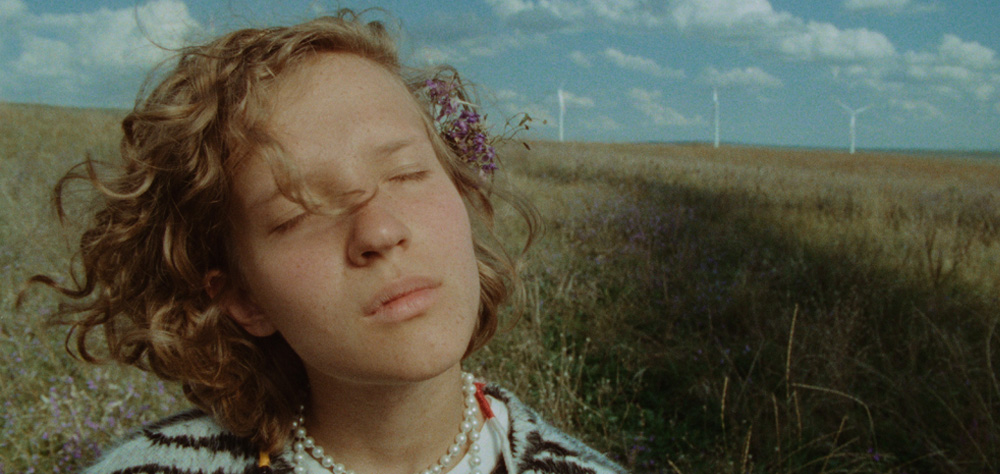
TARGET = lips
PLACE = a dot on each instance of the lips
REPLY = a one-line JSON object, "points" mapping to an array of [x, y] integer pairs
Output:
{"points": [[402, 299]]}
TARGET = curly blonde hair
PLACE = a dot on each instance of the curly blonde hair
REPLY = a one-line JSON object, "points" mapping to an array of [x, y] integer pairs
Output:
{"points": [[162, 224]]}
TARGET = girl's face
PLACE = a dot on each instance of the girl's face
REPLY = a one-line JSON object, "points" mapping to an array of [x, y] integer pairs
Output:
{"points": [[382, 286]]}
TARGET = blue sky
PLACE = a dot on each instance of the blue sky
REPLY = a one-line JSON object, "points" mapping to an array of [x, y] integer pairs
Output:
{"points": [[632, 70]]}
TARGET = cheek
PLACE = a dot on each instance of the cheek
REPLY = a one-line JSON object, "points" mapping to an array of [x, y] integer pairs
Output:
{"points": [[454, 228], [272, 277], [449, 232], [465, 253]]}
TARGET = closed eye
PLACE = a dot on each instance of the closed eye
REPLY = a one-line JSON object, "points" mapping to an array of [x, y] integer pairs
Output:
{"points": [[412, 176], [290, 224]]}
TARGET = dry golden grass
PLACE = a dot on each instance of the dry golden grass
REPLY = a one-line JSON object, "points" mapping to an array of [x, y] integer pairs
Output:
{"points": [[663, 256]]}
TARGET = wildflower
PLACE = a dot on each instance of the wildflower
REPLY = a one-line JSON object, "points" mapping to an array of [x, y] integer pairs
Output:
{"points": [[461, 126]]}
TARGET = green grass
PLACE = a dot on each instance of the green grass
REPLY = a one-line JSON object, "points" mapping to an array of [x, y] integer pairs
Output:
{"points": [[689, 309]]}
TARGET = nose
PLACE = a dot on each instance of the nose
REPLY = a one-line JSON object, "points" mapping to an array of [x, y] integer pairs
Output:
{"points": [[377, 230]]}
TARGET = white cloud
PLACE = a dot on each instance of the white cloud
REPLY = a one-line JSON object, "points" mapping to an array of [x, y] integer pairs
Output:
{"points": [[45, 58], [855, 71], [952, 53], [966, 54], [618, 11], [751, 23], [825, 41], [114, 37], [432, 55], [510, 7], [574, 100], [640, 64], [892, 5], [111, 38], [506, 94], [946, 72], [12, 8], [79, 51], [723, 14], [920, 109], [984, 92], [956, 65], [487, 46], [882, 77], [546, 15], [751, 76], [648, 103], [756, 24], [580, 59]]}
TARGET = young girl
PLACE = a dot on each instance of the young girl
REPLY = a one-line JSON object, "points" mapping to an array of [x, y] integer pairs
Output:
{"points": [[302, 236]]}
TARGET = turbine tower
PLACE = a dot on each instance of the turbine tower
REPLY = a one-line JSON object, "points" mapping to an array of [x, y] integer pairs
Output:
{"points": [[854, 119], [562, 111], [715, 101]]}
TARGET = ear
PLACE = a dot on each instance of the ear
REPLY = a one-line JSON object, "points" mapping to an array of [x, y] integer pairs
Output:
{"points": [[236, 305]]}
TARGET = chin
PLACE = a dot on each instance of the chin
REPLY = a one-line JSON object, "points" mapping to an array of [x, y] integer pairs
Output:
{"points": [[428, 369]]}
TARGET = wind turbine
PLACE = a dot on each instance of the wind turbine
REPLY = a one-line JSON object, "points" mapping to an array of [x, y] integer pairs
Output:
{"points": [[562, 111], [854, 116], [715, 101]]}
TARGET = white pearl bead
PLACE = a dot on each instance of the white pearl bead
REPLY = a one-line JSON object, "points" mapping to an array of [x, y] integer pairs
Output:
{"points": [[468, 431]]}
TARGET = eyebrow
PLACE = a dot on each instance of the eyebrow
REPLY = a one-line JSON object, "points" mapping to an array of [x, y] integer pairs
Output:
{"points": [[266, 199], [392, 146]]}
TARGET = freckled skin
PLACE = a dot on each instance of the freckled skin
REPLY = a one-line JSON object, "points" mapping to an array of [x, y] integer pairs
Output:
{"points": [[353, 130]]}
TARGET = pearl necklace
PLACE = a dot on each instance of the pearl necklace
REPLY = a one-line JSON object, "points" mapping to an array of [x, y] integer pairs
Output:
{"points": [[467, 432]]}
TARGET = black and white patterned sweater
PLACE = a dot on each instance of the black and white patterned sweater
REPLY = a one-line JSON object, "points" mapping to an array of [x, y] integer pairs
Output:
{"points": [[192, 443]]}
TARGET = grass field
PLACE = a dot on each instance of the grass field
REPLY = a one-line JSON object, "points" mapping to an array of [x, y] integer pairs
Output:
{"points": [[689, 310]]}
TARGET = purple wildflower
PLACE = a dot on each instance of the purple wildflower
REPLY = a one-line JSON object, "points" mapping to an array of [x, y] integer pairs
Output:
{"points": [[463, 132]]}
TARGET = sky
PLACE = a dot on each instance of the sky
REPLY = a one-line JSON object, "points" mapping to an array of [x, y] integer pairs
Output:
{"points": [[927, 72]]}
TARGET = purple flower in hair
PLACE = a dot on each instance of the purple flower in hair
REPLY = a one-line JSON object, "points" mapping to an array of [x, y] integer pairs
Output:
{"points": [[461, 126]]}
